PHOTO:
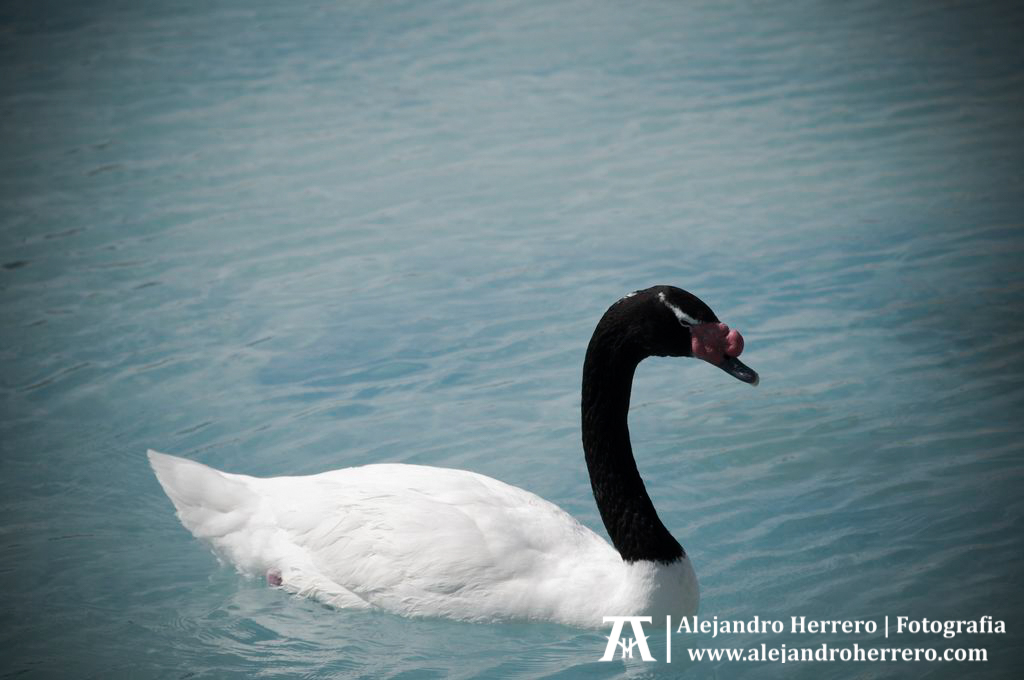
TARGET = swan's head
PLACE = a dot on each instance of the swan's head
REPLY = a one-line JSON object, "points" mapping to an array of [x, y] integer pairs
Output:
{"points": [[668, 321]]}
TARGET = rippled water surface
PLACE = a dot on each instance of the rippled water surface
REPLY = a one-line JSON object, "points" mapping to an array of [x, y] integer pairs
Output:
{"points": [[289, 237]]}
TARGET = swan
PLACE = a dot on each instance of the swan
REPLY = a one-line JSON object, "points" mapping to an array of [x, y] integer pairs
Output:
{"points": [[425, 541]]}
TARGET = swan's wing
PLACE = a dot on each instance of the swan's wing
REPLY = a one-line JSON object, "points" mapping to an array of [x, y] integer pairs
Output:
{"points": [[423, 540]]}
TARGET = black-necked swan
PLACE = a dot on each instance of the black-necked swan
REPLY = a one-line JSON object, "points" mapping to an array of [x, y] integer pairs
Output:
{"points": [[429, 541]]}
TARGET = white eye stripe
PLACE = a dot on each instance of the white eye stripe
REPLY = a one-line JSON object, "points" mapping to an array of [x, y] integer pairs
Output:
{"points": [[683, 317]]}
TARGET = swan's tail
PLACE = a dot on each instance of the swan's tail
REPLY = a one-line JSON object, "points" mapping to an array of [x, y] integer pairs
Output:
{"points": [[235, 516], [213, 505]]}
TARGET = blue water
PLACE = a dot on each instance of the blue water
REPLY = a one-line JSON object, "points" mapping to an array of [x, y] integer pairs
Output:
{"points": [[289, 237]]}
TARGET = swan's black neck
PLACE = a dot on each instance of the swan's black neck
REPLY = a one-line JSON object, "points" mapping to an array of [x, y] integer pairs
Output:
{"points": [[626, 509]]}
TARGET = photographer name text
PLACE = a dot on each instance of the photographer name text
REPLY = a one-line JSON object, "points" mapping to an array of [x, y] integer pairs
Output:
{"points": [[802, 625]]}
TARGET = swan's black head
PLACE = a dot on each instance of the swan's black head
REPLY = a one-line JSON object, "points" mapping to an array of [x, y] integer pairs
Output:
{"points": [[668, 321]]}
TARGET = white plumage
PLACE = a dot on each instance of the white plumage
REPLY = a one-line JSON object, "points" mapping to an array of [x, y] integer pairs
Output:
{"points": [[420, 541]]}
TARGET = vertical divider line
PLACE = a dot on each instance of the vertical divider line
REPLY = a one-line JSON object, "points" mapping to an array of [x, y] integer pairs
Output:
{"points": [[668, 638]]}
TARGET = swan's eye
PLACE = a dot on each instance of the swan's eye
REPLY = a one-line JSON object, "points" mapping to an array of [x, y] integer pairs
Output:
{"points": [[684, 318]]}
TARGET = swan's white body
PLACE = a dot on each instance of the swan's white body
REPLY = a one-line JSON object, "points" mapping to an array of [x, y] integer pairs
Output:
{"points": [[420, 541]]}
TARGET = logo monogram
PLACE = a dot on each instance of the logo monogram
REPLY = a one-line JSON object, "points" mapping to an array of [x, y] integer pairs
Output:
{"points": [[639, 640]]}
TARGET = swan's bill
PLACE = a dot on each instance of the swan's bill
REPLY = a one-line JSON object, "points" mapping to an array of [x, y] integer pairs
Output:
{"points": [[739, 370]]}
